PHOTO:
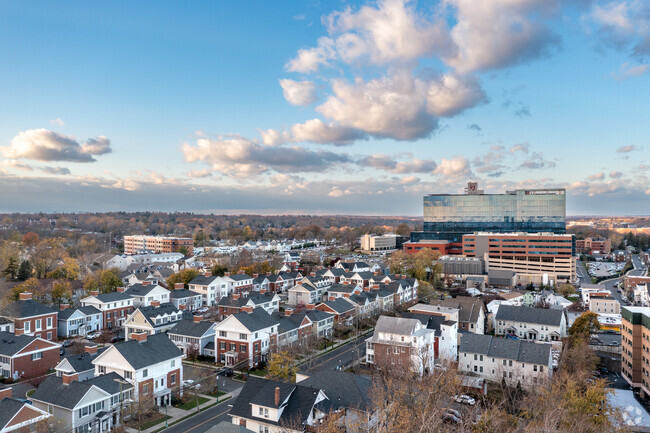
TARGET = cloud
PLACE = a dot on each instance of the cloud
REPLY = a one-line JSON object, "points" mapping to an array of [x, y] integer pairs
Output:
{"points": [[206, 172], [309, 60], [522, 147], [392, 165], [627, 149], [57, 122], [597, 176], [389, 107], [615, 174], [491, 161], [499, 33], [523, 111], [453, 94], [12, 163], [317, 131], [409, 180], [55, 170], [239, 157], [458, 166], [271, 137], [537, 162], [337, 192], [299, 92], [630, 71], [474, 127], [46, 145]]}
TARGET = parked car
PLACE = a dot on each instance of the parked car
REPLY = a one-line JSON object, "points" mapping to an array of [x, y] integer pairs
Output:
{"points": [[228, 372], [191, 384], [68, 343], [61, 351], [464, 399]]}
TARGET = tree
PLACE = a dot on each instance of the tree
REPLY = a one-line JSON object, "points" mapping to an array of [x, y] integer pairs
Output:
{"points": [[11, 271], [24, 271], [184, 276], [219, 270], [32, 285], [566, 289], [403, 229], [282, 367], [583, 327], [183, 250], [71, 269], [61, 290], [109, 280], [46, 255], [30, 239]]}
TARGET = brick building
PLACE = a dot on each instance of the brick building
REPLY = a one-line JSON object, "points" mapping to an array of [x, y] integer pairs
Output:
{"points": [[589, 246], [136, 244], [26, 356], [248, 336], [31, 317], [115, 306]]}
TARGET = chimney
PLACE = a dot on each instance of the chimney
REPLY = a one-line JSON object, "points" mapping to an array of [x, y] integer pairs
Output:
{"points": [[179, 286], [247, 308], [312, 274], [346, 282], [277, 396], [139, 336], [208, 274], [121, 289], [146, 283], [375, 287], [236, 296], [376, 273], [398, 276], [256, 275], [262, 291], [182, 307], [25, 296], [366, 289], [226, 274], [155, 303], [288, 312], [69, 378], [197, 318], [5, 393], [268, 274], [92, 349], [310, 306], [64, 307], [94, 293]]}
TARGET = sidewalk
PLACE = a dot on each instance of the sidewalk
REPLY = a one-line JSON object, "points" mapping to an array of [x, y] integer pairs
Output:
{"points": [[177, 414]]}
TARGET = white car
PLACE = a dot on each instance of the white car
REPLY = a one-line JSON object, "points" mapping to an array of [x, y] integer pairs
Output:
{"points": [[464, 399], [191, 384]]}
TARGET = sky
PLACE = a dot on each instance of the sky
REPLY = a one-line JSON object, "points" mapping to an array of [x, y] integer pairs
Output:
{"points": [[321, 107]]}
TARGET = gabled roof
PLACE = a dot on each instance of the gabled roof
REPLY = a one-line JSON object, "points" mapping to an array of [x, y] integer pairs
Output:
{"points": [[191, 328], [183, 293], [256, 320], [344, 390], [260, 279], [112, 297], [11, 344], [202, 280], [255, 297], [142, 290], [54, 391], [10, 407], [25, 308], [342, 288], [469, 308], [540, 316], [241, 277], [396, 325], [517, 350], [340, 305], [318, 315], [151, 312], [290, 275], [300, 400], [83, 361], [337, 272], [87, 310], [157, 348]]}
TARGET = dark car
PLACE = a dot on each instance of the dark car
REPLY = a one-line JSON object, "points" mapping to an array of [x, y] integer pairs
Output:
{"points": [[61, 351], [67, 343], [228, 372]]}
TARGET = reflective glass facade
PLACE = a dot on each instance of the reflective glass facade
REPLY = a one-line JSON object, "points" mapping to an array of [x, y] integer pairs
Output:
{"points": [[449, 217]]}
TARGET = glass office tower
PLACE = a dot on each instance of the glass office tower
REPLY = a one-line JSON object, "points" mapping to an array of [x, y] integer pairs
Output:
{"points": [[450, 216]]}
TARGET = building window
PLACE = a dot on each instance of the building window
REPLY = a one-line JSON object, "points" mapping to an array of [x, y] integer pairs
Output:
{"points": [[145, 389], [36, 356], [173, 363], [173, 379], [145, 372]]}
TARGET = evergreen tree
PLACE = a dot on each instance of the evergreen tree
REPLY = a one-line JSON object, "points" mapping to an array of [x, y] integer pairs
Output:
{"points": [[11, 270], [24, 271]]}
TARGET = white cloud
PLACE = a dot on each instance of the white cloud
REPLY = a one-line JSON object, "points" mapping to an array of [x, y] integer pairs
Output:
{"points": [[522, 147], [337, 192], [627, 149], [12, 163], [597, 176], [630, 71], [309, 60], [453, 94], [392, 165], [615, 174], [409, 180], [299, 92], [46, 145], [271, 137], [206, 172], [57, 122], [458, 166], [55, 170], [317, 131]]}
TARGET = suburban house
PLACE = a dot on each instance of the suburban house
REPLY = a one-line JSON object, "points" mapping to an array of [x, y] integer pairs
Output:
{"points": [[246, 336], [309, 291], [20, 416], [472, 313], [151, 363], [211, 288], [269, 406], [145, 294], [234, 303], [290, 279], [445, 333], [196, 334], [334, 275], [80, 364], [154, 319], [401, 343], [361, 279], [260, 282], [322, 323], [30, 317], [531, 323], [496, 359], [26, 356], [276, 283], [115, 306], [353, 266], [80, 321], [344, 290], [239, 283], [342, 309], [82, 407], [192, 301], [293, 328], [367, 303], [604, 305]]}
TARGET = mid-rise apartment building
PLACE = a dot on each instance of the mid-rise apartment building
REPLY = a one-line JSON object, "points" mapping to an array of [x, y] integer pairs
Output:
{"points": [[635, 347], [136, 244], [604, 305], [378, 243], [535, 257], [589, 245]]}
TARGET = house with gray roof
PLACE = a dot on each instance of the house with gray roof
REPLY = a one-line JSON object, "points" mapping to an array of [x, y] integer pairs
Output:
{"points": [[20, 416], [195, 334], [23, 356], [90, 406], [190, 300], [115, 306], [145, 293], [30, 317], [529, 323], [74, 322], [343, 310], [155, 319], [515, 361], [80, 364]]}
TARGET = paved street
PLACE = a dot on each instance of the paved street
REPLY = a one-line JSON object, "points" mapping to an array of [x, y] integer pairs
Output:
{"points": [[341, 356], [202, 421]]}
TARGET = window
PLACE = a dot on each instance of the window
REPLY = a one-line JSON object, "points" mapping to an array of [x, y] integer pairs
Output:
{"points": [[242, 348], [475, 357], [172, 379], [145, 389], [541, 369], [233, 347], [222, 345], [127, 375], [101, 369], [261, 413], [49, 322], [242, 336], [222, 334], [36, 356], [27, 327], [534, 368], [173, 363], [145, 372]]}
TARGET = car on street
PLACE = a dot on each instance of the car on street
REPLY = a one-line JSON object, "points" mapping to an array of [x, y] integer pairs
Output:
{"points": [[68, 343], [464, 399], [191, 384], [228, 372]]}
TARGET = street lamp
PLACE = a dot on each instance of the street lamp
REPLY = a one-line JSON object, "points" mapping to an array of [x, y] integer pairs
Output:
{"points": [[121, 396]]}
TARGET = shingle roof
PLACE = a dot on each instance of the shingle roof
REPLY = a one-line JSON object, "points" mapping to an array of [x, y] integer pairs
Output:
{"points": [[342, 288], [517, 350], [26, 308], [469, 308], [11, 344], [202, 280], [157, 348], [140, 289], [83, 361], [241, 277], [183, 293], [152, 312], [262, 391], [340, 305], [396, 325], [540, 316], [54, 391], [191, 328], [65, 314], [345, 390], [256, 320], [113, 296], [317, 315], [9, 407]]}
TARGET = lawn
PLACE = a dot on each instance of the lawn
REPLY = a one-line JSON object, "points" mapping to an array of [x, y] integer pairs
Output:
{"points": [[217, 394], [260, 373], [191, 403], [30, 392], [153, 422]]}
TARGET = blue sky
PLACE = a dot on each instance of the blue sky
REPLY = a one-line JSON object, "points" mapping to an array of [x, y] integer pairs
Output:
{"points": [[321, 107]]}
